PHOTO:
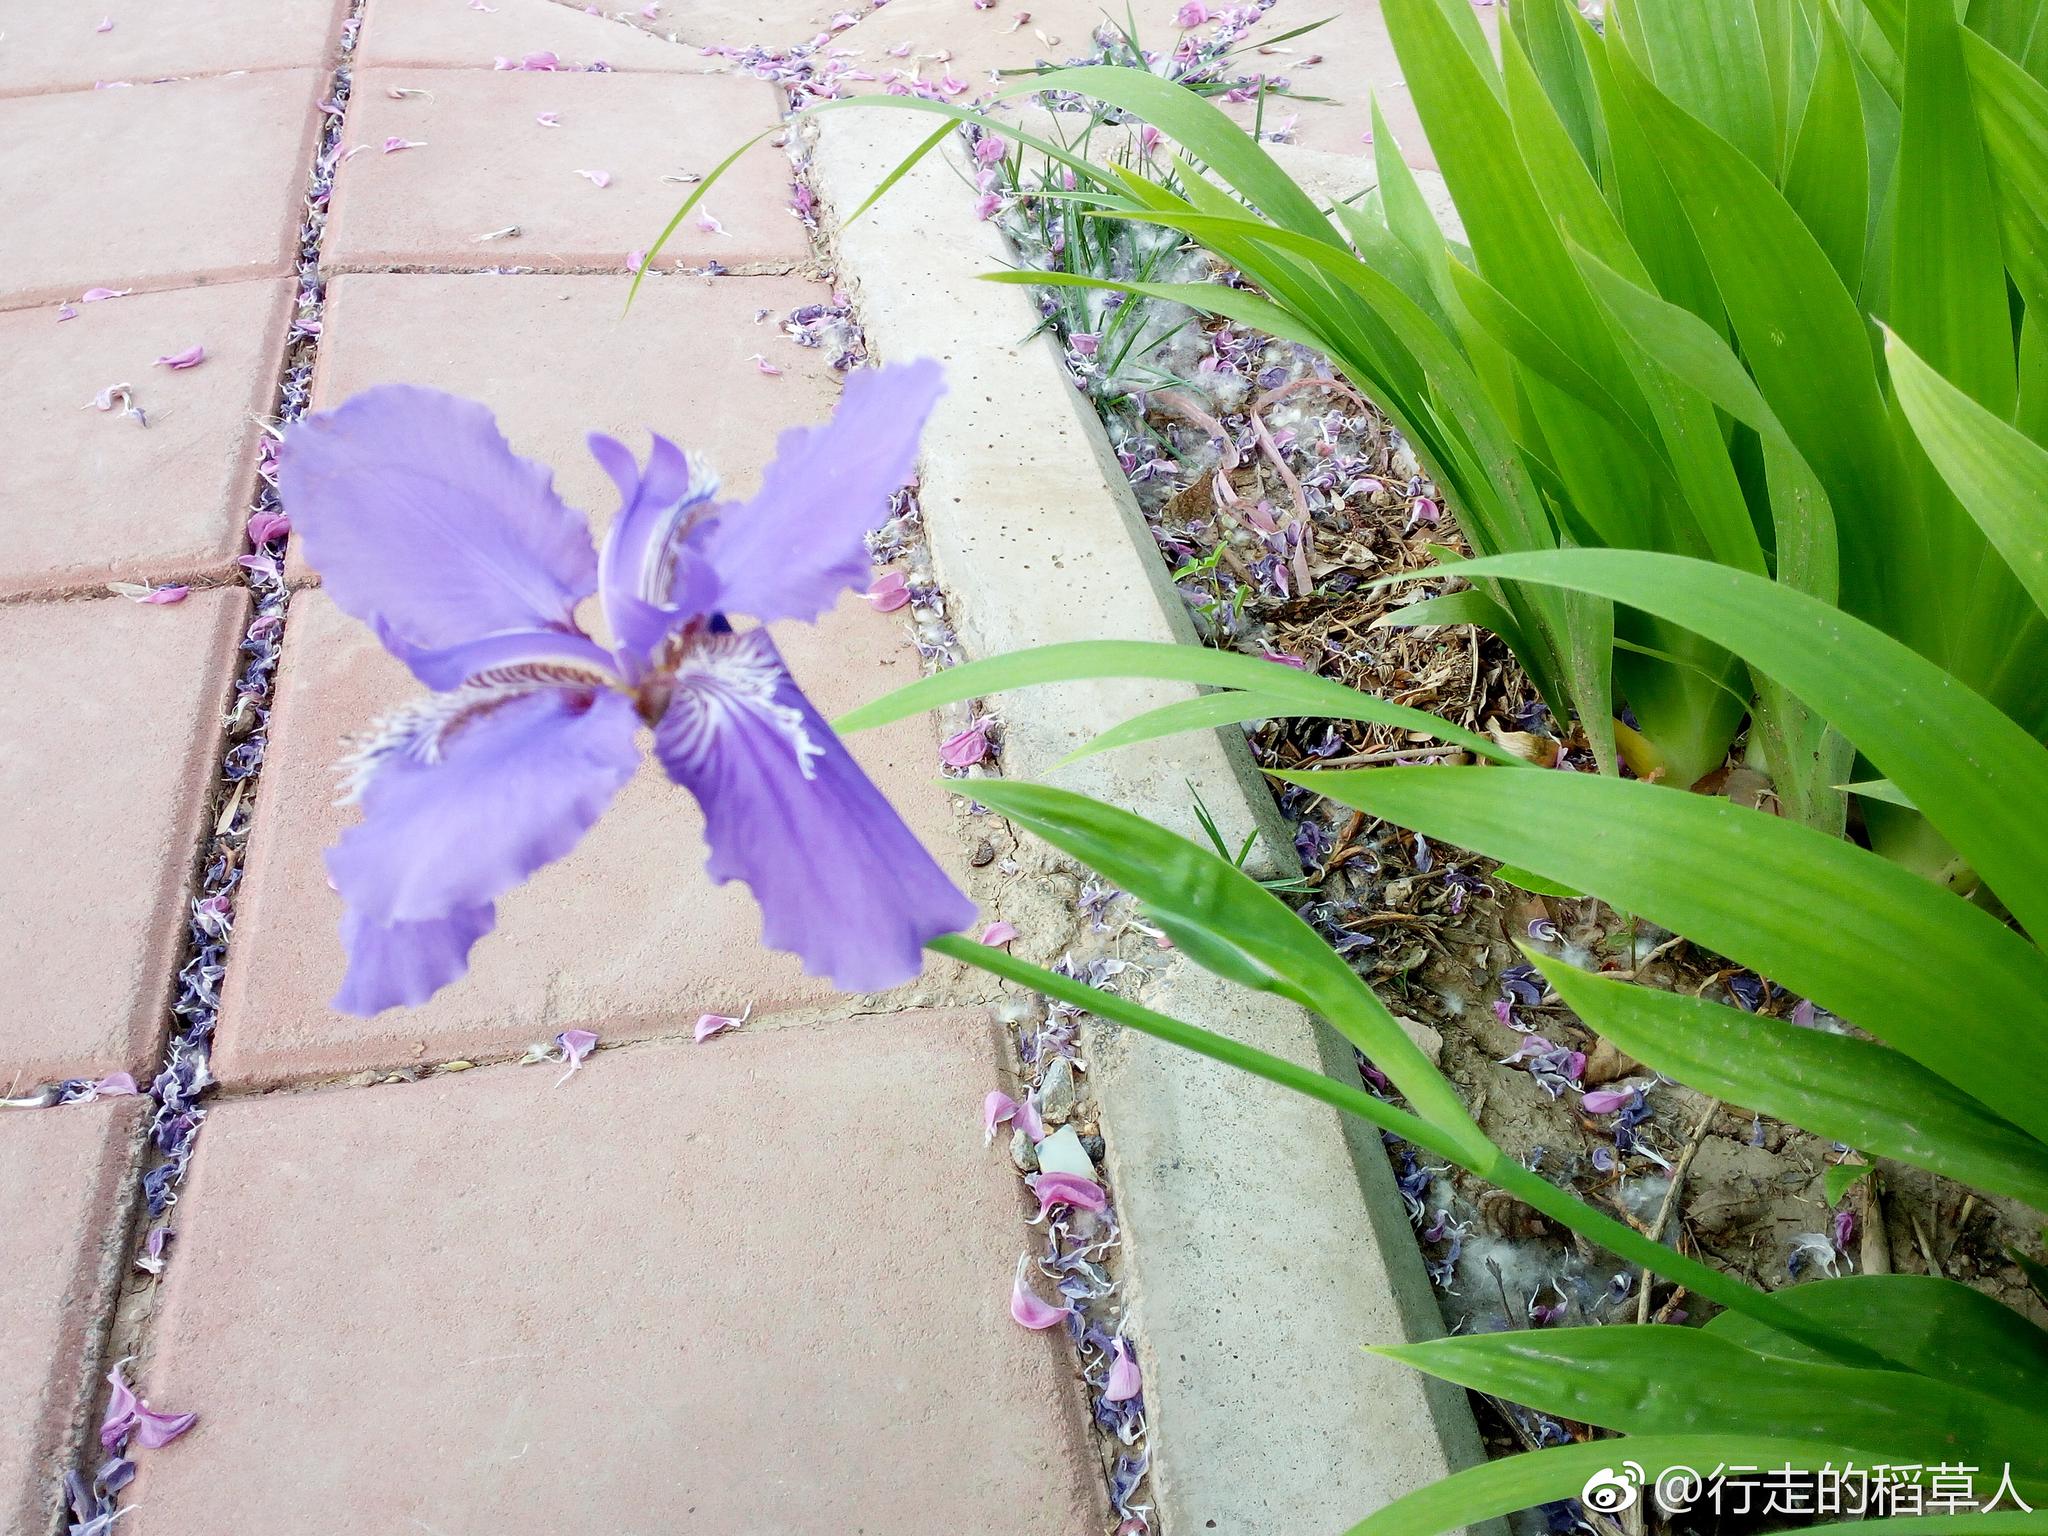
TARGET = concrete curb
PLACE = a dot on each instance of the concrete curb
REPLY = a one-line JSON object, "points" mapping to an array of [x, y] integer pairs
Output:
{"points": [[1265, 1241]]}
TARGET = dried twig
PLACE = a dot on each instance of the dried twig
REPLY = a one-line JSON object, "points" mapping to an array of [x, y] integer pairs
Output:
{"points": [[1874, 1253], [1656, 1228]]}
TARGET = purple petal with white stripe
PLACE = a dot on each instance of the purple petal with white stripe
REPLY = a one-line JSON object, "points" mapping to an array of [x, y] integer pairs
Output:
{"points": [[648, 577], [861, 896], [467, 796]]}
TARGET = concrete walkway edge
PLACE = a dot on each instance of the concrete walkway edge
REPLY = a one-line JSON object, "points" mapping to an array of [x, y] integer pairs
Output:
{"points": [[1266, 1242]]}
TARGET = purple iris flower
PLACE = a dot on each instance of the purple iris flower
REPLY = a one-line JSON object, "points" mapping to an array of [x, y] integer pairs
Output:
{"points": [[427, 527]]}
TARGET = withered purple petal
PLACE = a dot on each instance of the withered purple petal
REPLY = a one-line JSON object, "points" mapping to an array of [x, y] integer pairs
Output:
{"points": [[154, 1431], [1068, 1189], [1123, 1383], [574, 1044], [709, 1024], [1026, 1306], [995, 1109], [121, 1406]]}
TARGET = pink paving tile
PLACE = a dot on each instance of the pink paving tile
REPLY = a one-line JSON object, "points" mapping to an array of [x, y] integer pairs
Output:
{"points": [[113, 729], [559, 357], [487, 164], [61, 47], [157, 186], [758, 1285], [626, 936], [62, 1227], [457, 35], [91, 495], [742, 23]]}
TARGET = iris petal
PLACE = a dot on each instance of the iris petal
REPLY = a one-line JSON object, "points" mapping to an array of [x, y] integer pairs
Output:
{"points": [[459, 810], [648, 580], [842, 882], [789, 552], [419, 517], [398, 965], [537, 655]]}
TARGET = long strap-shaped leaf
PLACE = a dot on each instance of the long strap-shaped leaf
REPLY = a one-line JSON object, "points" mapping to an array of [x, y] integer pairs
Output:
{"points": [[1562, 1472], [1980, 779], [1869, 1096], [1200, 127], [1078, 660], [1657, 1381], [1233, 927], [1936, 1327], [1802, 336], [1490, 1164], [1897, 955], [1999, 474]]}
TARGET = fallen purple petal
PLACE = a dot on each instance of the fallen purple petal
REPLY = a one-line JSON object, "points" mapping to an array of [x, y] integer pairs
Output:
{"points": [[574, 1044], [1604, 1101], [1029, 1122], [116, 1085], [889, 591], [121, 1409], [1123, 1382], [963, 749], [597, 178], [154, 1431], [128, 1414], [106, 24], [1028, 1307], [191, 357], [998, 933], [1068, 1189], [394, 144], [266, 526], [549, 119], [159, 597], [95, 295], [996, 1109], [710, 1024]]}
